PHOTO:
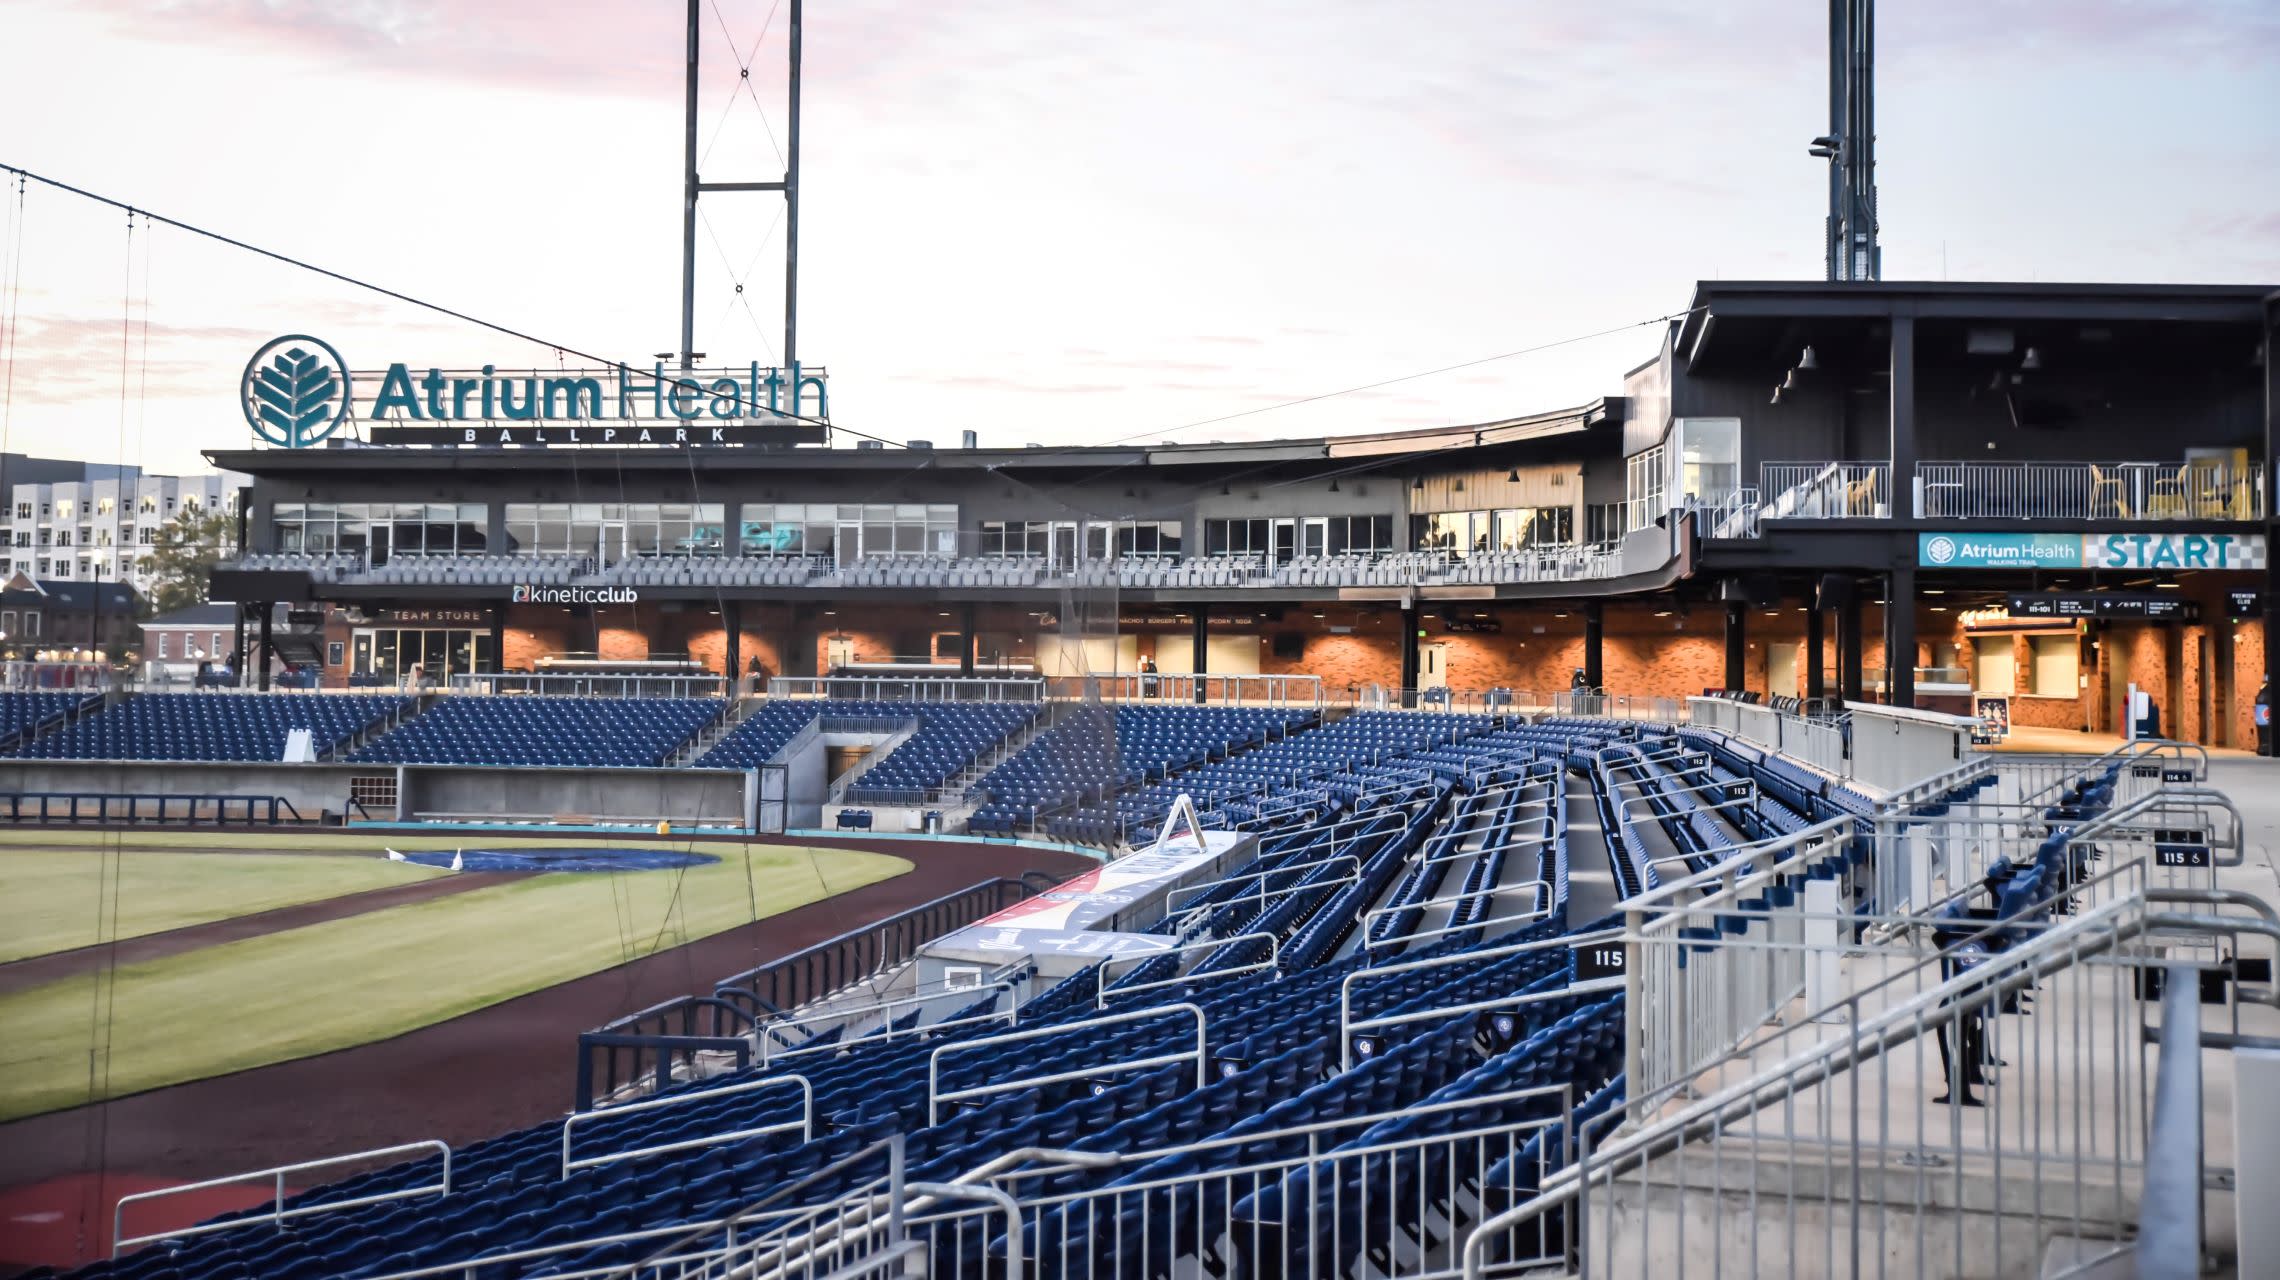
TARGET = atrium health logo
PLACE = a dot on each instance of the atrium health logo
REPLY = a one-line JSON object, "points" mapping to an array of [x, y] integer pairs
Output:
{"points": [[295, 391], [1940, 550]]}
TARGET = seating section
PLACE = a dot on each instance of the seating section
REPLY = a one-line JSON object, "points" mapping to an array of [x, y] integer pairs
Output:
{"points": [[23, 711], [1287, 781], [593, 732], [1094, 752], [1355, 1072], [213, 726], [714, 571], [319, 565], [950, 737], [478, 570], [758, 737]]}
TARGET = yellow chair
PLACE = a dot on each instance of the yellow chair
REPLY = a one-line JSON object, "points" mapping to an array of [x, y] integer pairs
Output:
{"points": [[2105, 488]]}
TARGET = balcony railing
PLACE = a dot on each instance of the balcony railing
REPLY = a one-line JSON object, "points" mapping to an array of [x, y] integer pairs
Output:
{"points": [[2197, 489], [1826, 490]]}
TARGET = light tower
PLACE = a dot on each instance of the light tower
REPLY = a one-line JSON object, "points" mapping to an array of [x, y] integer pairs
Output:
{"points": [[694, 186], [1850, 144]]}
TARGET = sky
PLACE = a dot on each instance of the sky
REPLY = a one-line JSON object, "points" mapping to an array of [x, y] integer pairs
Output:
{"points": [[1066, 221]]}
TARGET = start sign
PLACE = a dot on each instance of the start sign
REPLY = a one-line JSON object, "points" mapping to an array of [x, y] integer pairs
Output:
{"points": [[2173, 551]]}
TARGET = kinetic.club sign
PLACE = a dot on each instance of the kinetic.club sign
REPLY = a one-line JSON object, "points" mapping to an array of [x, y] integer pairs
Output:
{"points": [[297, 391]]}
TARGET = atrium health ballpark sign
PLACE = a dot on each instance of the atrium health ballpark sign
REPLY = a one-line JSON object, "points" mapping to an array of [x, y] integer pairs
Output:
{"points": [[2090, 551], [297, 391]]}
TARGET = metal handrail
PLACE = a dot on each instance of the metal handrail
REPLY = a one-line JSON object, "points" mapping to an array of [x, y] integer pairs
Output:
{"points": [[1240, 877], [1365, 918], [2005, 972], [1308, 886], [1272, 962], [935, 1097], [1346, 984], [278, 1213], [766, 1030], [2126, 753], [806, 1124]]}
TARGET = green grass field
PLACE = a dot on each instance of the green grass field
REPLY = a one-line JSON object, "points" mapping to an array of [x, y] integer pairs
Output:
{"points": [[50, 898], [363, 978]]}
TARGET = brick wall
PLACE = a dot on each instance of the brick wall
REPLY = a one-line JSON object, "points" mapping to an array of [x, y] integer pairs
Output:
{"points": [[2248, 677]]}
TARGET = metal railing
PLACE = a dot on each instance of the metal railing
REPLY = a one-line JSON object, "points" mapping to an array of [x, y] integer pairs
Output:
{"points": [[1733, 515], [838, 962], [935, 1096], [1688, 1004], [103, 808], [1183, 688], [729, 1246], [628, 684], [1102, 990], [1295, 1202], [770, 1032], [1348, 1024], [1793, 1156], [2198, 489], [912, 688], [805, 1124], [1825, 490], [277, 1214]]}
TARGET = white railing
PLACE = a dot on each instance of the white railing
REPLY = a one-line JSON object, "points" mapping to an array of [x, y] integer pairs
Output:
{"points": [[911, 688], [278, 1214], [1817, 1148], [1690, 1004], [805, 1125], [935, 1097], [1825, 490], [770, 1032], [1733, 515], [625, 684], [1102, 991], [2200, 489], [1348, 1024], [1300, 692]]}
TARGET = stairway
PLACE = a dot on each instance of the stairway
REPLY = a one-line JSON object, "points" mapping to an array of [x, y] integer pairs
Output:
{"points": [[709, 734], [953, 791]]}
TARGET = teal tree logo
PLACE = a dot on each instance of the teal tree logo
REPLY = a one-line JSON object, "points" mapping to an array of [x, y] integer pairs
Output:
{"points": [[1940, 550], [295, 391]]}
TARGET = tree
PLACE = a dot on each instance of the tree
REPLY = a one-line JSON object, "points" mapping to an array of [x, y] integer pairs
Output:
{"points": [[186, 548]]}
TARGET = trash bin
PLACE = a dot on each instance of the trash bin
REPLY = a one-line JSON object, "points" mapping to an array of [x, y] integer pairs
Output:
{"points": [[934, 822]]}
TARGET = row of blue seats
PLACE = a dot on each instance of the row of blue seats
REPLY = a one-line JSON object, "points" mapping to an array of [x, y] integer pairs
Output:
{"points": [[590, 732], [213, 726], [1095, 752]]}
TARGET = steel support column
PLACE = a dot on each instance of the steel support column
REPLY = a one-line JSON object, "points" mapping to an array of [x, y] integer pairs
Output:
{"points": [[1736, 625], [1816, 674], [1849, 682], [268, 619], [1409, 656], [1900, 637], [1594, 644]]}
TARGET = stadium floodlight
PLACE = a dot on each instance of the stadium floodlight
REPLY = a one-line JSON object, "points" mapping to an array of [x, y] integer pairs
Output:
{"points": [[1825, 147]]}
